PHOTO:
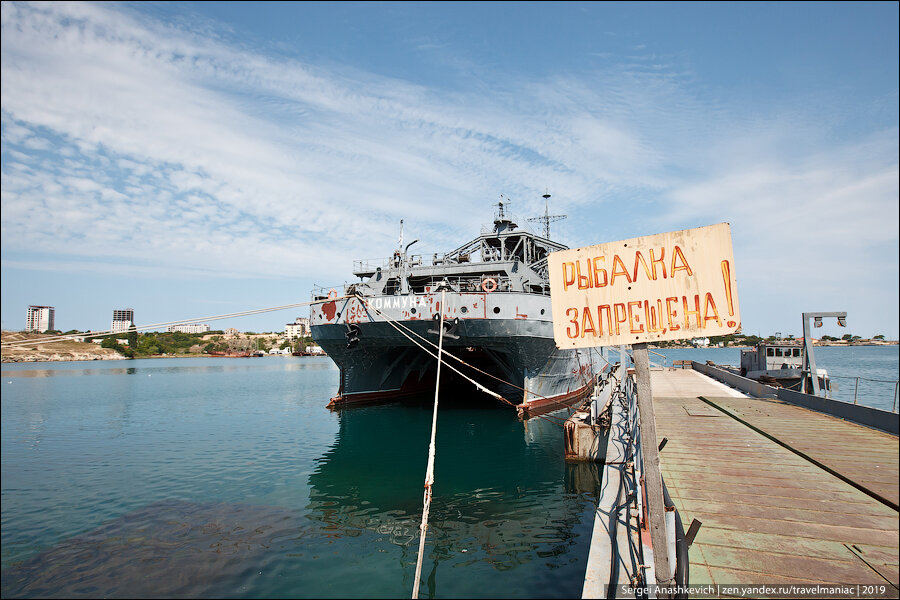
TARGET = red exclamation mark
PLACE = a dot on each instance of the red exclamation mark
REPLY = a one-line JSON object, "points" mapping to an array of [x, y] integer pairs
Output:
{"points": [[726, 276]]}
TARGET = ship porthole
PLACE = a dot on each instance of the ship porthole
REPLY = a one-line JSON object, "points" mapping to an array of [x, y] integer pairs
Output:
{"points": [[412, 310], [464, 309], [496, 310], [542, 311]]}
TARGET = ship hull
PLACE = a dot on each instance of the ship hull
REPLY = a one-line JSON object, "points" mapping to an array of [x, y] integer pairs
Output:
{"points": [[513, 357]]}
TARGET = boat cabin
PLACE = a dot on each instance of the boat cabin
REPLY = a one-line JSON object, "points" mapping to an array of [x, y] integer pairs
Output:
{"points": [[772, 356]]}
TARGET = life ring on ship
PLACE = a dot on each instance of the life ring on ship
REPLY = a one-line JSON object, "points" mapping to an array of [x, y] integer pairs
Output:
{"points": [[332, 294], [489, 285]]}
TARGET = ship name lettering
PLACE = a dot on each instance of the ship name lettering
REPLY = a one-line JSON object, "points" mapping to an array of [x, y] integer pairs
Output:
{"points": [[398, 302]]}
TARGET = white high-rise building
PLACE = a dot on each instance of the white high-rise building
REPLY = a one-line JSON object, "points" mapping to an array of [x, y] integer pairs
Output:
{"points": [[122, 320], [39, 318]]}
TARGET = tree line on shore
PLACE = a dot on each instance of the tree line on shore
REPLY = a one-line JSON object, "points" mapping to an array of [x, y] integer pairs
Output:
{"points": [[737, 339], [133, 344]]}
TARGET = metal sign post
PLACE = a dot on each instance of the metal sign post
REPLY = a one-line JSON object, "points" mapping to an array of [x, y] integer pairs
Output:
{"points": [[808, 368]]}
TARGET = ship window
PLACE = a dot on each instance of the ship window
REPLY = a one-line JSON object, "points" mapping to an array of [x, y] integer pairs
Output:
{"points": [[542, 311], [412, 310], [770, 351], [778, 352], [462, 309], [496, 310], [797, 352]]}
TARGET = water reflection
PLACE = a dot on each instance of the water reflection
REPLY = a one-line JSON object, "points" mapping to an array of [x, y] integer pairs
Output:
{"points": [[503, 496], [349, 486], [169, 366]]}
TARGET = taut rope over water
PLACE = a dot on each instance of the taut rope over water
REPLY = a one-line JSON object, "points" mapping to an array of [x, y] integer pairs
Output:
{"points": [[429, 472]]}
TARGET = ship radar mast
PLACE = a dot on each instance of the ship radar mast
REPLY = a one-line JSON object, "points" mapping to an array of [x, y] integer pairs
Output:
{"points": [[503, 222], [547, 218]]}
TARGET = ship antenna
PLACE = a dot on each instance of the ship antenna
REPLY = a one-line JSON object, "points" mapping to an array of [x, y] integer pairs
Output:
{"points": [[400, 241], [547, 218]]}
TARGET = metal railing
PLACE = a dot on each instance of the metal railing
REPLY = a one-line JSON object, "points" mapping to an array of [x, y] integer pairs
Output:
{"points": [[624, 352], [856, 387], [477, 284]]}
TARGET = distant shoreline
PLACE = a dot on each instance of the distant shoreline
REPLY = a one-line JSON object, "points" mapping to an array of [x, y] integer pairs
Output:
{"points": [[77, 358], [837, 344], [67, 350]]}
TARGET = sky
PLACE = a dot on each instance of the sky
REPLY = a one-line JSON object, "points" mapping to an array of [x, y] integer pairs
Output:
{"points": [[197, 159]]}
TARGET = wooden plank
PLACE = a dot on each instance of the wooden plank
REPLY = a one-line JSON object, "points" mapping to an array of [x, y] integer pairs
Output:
{"points": [[863, 455], [770, 515]]}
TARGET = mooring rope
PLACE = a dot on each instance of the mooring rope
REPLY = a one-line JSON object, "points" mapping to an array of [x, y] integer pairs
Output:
{"points": [[402, 329], [93, 334], [559, 421], [429, 471]]}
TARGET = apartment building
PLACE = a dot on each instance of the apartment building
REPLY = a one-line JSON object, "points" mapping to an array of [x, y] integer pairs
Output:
{"points": [[189, 328], [298, 329], [39, 318], [122, 320]]}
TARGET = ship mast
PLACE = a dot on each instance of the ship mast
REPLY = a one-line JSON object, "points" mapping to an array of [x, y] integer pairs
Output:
{"points": [[547, 218]]}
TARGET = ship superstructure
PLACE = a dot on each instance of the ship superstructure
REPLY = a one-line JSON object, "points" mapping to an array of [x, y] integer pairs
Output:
{"points": [[497, 318]]}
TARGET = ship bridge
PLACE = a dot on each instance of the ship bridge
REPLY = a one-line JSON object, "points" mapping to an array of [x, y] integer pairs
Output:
{"points": [[503, 258]]}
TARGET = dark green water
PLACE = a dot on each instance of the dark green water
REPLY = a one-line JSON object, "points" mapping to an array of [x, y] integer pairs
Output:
{"points": [[229, 478]]}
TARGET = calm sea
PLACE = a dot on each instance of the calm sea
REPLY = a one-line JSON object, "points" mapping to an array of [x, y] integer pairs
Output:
{"points": [[229, 478], [878, 369]]}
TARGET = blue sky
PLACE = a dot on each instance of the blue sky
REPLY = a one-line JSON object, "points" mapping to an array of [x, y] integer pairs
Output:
{"points": [[193, 159]]}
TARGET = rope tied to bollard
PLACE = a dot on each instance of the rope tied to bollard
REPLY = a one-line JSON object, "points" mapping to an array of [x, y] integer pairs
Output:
{"points": [[429, 472]]}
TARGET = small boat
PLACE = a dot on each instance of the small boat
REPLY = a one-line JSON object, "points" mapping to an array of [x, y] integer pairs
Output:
{"points": [[779, 364]]}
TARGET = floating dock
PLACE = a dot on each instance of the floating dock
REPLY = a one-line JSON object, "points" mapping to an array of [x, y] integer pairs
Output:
{"points": [[786, 495]]}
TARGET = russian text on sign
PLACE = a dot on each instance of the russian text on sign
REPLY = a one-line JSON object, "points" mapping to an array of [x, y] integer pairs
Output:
{"points": [[669, 286]]}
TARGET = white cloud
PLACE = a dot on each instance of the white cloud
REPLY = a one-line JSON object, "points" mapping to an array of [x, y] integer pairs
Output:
{"points": [[169, 148]]}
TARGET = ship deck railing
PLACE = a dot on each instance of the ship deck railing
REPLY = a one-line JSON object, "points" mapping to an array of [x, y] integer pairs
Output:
{"points": [[492, 284], [368, 266]]}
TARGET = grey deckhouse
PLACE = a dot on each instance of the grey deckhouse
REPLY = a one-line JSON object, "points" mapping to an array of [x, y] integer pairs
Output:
{"points": [[506, 259]]}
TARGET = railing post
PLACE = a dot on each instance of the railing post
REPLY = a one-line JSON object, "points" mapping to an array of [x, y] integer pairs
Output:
{"points": [[856, 391], [894, 406]]}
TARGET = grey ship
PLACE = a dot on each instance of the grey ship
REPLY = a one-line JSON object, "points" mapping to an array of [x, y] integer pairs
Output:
{"points": [[497, 320]]}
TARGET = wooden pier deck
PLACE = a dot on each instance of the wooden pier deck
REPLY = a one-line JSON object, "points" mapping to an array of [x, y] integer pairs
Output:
{"points": [[786, 495]]}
